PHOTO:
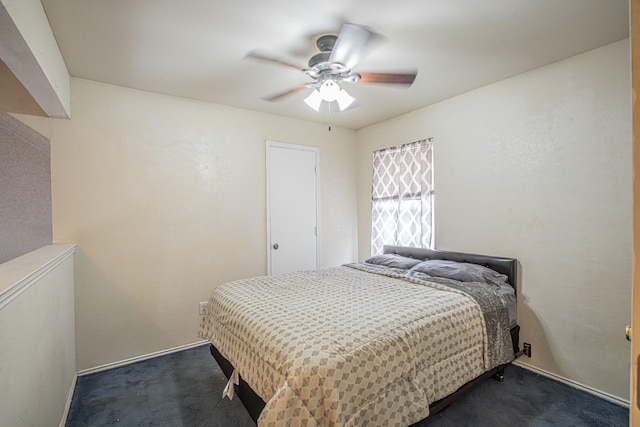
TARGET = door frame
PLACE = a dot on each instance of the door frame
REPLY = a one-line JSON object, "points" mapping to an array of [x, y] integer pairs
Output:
{"points": [[275, 144], [634, 36]]}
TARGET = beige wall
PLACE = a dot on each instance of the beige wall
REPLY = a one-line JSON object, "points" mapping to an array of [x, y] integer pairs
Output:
{"points": [[37, 339], [15, 97], [538, 167], [165, 198]]}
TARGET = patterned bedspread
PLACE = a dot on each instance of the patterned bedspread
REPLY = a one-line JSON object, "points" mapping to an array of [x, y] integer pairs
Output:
{"points": [[352, 345]]}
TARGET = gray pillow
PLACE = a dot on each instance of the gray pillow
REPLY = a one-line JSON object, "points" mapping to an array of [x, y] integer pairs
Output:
{"points": [[462, 271], [394, 260]]}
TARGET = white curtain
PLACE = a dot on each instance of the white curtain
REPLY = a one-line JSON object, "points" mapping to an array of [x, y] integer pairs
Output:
{"points": [[402, 196]]}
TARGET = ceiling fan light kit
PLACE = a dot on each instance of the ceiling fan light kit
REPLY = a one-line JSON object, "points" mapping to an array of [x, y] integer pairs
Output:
{"points": [[329, 91], [333, 64]]}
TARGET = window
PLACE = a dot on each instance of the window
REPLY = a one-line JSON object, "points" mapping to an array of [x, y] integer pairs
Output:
{"points": [[402, 196]]}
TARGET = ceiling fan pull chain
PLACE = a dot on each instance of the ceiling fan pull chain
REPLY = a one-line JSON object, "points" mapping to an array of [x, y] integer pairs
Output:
{"points": [[329, 103]]}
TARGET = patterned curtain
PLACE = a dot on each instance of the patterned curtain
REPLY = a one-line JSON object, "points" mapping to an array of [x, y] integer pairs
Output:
{"points": [[402, 196]]}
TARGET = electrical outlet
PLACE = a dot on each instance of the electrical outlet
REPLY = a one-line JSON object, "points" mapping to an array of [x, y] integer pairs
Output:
{"points": [[527, 349], [203, 304]]}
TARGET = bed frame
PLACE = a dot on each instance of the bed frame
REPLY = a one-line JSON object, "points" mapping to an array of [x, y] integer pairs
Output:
{"points": [[507, 266]]}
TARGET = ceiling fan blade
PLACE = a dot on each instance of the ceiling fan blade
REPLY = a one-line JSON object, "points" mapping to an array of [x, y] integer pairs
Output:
{"points": [[262, 57], [351, 45], [279, 96], [392, 78]]}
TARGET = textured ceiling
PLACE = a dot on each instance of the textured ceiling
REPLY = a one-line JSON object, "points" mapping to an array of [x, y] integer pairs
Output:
{"points": [[196, 48]]}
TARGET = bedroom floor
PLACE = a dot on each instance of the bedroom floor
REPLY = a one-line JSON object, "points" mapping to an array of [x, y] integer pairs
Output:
{"points": [[185, 388]]}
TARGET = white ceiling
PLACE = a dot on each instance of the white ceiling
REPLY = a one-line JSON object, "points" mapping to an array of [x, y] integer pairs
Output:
{"points": [[196, 48]]}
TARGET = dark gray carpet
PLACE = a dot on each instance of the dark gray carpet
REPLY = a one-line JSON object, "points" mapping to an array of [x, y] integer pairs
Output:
{"points": [[185, 388]]}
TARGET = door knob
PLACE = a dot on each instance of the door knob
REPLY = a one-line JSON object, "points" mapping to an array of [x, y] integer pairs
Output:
{"points": [[627, 332], [276, 246]]}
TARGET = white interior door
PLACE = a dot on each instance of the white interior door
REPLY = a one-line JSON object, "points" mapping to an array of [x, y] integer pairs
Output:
{"points": [[292, 207]]}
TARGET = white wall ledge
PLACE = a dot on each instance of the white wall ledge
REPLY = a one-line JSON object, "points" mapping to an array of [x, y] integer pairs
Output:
{"points": [[18, 274]]}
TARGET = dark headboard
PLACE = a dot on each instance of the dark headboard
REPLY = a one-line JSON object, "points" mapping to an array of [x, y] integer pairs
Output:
{"points": [[507, 266]]}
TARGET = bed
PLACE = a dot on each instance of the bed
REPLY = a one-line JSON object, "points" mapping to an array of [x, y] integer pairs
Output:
{"points": [[389, 341]]}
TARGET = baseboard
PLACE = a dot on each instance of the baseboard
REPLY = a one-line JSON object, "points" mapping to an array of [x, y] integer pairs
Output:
{"points": [[67, 406], [139, 358], [574, 384]]}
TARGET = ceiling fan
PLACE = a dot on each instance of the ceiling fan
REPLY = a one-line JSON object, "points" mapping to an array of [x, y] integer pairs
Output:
{"points": [[334, 64]]}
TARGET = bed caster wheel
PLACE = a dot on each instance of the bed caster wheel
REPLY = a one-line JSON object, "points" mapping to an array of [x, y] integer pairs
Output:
{"points": [[499, 376]]}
